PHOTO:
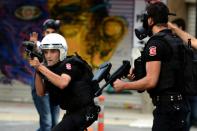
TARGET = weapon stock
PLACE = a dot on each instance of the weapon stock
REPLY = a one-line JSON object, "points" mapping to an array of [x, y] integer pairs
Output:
{"points": [[123, 70], [30, 49]]}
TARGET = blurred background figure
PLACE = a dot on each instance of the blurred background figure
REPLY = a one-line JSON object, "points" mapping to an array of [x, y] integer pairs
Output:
{"points": [[48, 112], [180, 23], [192, 119]]}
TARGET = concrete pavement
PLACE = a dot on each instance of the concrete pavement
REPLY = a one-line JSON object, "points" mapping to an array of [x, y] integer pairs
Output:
{"points": [[16, 106], [13, 113], [121, 111], [15, 116]]}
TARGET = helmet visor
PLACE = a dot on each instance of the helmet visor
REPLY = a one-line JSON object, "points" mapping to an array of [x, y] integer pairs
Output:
{"points": [[52, 46]]}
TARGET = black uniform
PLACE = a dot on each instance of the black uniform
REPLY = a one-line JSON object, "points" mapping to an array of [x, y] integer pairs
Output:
{"points": [[77, 98], [171, 107]]}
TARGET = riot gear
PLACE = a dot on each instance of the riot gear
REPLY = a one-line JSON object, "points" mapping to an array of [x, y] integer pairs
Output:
{"points": [[143, 31], [55, 41], [159, 17]]}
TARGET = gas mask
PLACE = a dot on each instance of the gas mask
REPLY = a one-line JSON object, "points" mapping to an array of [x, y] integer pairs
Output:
{"points": [[143, 31]]}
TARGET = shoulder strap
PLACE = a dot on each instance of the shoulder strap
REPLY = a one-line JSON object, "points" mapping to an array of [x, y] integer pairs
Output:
{"points": [[88, 74], [160, 36], [81, 62]]}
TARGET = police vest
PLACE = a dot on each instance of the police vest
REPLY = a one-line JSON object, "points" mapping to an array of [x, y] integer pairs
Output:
{"points": [[169, 82], [80, 91]]}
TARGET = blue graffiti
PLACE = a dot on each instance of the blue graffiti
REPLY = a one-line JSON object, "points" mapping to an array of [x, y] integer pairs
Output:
{"points": [[18, 20]]}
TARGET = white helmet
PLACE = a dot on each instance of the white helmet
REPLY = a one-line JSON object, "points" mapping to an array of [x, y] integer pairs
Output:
{"points": [[55, 41]]}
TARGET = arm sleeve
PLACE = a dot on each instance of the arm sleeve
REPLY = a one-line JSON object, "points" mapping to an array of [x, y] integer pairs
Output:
{"points": [[156, 50], [72, 70]]}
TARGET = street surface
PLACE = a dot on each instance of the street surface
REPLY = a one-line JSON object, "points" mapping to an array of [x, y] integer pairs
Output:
{"points": [[23, 117], [31, 126]]}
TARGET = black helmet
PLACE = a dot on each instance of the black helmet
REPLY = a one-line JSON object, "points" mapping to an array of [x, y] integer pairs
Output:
{"points": [[51, 23]]}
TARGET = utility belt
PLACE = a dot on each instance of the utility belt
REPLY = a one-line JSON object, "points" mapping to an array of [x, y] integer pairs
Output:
{"points": [[90, 106], [166, 99], [90, 112]]}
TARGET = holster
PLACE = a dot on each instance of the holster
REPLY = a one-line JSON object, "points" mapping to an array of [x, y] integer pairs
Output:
{"points": [[92, 114]]}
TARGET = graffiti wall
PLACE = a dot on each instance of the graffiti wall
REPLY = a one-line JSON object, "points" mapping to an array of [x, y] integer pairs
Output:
{"points": [[87, 25], [17, 21], [88, 28]]}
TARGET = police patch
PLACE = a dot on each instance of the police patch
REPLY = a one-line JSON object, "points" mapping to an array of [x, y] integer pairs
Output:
{"points": [[153, 51], [68, 66]]}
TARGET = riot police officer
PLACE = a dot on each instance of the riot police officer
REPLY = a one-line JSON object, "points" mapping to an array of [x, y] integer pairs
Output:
{"points": [[67, 83], [162, 71]]}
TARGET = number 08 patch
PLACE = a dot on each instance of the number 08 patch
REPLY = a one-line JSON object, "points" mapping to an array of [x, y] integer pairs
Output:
{"points": [[153, 51]]}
